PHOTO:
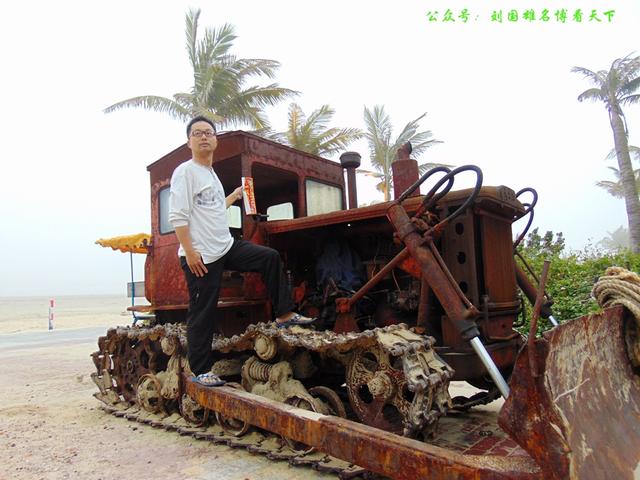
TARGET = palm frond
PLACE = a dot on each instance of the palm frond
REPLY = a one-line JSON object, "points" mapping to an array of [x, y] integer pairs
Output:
{"points": [[592, 94], [630, 86], [200, 111], [613, 155], [409, 131], [336, 140], [627, 69], [425, 167], [630, 100], [369, 173], [248, 67], [596, 77], [378, 135], [320, 118], [311, 134], [215, 45], [265, 96], [612, 188], [155, 103], [616, 189], [191, 32]]}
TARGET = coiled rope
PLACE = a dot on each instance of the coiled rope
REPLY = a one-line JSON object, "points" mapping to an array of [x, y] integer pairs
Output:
{"points": [[619, 286]]}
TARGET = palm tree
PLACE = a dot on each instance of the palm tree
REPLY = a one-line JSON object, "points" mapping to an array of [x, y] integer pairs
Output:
{"points": [[616, 88], [218, 92], [312, 134], [615, 188], [383, 148], [616, 240]]}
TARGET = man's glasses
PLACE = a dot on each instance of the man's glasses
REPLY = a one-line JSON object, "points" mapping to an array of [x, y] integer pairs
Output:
{"points": [[206, 133]]}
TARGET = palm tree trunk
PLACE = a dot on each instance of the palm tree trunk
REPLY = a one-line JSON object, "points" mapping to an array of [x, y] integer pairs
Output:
{"points": [[387, 182], [627, 177]]}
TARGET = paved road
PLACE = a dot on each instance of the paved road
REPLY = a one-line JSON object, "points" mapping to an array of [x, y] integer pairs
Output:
{"points": [[26, 340]]}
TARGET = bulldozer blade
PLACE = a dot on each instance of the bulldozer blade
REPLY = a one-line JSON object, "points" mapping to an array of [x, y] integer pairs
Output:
{"points": [[371, 448], [579, 418]]}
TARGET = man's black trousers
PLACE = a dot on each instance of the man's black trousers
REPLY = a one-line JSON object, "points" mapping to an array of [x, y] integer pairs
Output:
{"points": [[204, 291]]}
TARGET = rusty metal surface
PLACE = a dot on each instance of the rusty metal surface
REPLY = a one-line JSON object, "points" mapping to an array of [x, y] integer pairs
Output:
{"points": [[459, 253], [339, 217], [464, 360], [500, 200], [373, 449], [459, 310], [580, 418], [405, 173]]}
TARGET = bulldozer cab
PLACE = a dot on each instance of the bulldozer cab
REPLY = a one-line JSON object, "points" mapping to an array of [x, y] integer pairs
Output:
{"points": [[288, 184]]}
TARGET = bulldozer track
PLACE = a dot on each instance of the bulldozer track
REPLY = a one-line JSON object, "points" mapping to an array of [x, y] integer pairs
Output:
{"points": [[258, 442], [139, 372]]}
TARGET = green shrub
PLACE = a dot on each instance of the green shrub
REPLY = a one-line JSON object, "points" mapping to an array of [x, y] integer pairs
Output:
{"points": [[571, 274]]}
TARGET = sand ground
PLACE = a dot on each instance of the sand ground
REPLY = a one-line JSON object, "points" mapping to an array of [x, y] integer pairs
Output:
{"points": [[52, 428]]}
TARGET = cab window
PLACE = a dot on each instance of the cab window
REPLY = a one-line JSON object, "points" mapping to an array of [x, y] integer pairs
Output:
{"points": [[322, 198], [163, 211], [282, 211], [234, 216]]}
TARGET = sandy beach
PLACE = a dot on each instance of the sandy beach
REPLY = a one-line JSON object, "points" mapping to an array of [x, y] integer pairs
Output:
{"points": [[19, 314], [52, 428]]}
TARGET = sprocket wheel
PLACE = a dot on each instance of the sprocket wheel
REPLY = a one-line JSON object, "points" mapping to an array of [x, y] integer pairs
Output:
{"points": [[192, 411], [378, 390], [306, 404], [149, 395], [329, 401], [131, 361]]}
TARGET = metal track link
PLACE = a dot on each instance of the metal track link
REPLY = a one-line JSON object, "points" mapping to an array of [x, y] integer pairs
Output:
{"points": [[259, 442]]}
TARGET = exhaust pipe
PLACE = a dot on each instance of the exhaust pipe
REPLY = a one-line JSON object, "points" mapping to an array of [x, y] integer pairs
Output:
{"points": [[405, 171], [350, 161]]}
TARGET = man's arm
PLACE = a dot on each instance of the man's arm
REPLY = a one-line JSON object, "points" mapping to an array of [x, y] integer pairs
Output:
{"points": [[180, 204], [233, 197], [193, 257]]}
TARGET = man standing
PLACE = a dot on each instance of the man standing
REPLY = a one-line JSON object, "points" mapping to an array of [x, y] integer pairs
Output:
{"points": [[198, 213]]}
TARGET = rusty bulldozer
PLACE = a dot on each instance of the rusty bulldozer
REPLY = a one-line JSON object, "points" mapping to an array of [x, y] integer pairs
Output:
{"points": [[413, 296]]}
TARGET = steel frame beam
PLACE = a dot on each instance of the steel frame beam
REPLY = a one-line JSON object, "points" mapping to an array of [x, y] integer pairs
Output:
{"points": [[376, 450]]}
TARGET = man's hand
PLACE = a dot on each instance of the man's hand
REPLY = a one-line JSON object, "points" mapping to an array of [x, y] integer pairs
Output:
{"points": [[195, 263], [234, 197]]}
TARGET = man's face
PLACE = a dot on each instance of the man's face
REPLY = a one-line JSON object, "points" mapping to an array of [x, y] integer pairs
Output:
{"points": [[200, 139]]}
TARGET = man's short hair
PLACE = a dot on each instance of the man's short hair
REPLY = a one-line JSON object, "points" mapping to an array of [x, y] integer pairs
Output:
{"points": [[199, 118]]}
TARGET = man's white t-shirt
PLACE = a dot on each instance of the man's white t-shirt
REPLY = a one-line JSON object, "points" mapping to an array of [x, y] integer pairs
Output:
{"points": [[197, 199]]}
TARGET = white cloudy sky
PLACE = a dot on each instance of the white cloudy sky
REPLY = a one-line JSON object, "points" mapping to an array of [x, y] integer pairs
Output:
{"points": [[498, 95]]}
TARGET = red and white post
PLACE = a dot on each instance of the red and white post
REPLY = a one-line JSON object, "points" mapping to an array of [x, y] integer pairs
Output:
{"points": [[52, 304]]}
